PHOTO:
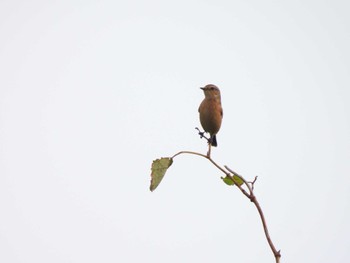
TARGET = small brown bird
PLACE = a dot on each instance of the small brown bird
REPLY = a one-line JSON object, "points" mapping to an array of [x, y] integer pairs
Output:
{"points": [[210, 112]]}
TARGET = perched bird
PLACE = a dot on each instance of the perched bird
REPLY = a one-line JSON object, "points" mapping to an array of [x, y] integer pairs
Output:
{"points": [[210, 112]]}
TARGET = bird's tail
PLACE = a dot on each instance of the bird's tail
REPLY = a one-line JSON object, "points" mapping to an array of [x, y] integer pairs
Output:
{"points": [[213, 141]]}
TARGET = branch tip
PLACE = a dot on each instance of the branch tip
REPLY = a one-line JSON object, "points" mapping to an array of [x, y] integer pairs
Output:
{"points": [[250, 195]]}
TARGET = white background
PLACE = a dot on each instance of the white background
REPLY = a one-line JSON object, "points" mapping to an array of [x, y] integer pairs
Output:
{"points": [[92, 91]]}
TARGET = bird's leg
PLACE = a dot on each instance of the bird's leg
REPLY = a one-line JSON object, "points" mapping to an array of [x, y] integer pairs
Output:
{"points": [[209, 140]]}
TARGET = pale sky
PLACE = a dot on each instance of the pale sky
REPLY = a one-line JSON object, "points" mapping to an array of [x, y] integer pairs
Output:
{"points": [[91, 92]]}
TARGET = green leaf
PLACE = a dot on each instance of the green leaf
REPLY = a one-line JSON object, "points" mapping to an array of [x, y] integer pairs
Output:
{"points": [[237, 180], [227, 180], [159, 168], [231, 180]]}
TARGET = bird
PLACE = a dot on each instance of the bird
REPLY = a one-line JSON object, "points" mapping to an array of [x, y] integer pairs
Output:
{"points": [[210, 112]]}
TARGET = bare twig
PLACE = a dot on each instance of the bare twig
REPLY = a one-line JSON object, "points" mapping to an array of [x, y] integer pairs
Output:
{"points": [[253, 199], [206, 157], [252, 183], [249, 194]]}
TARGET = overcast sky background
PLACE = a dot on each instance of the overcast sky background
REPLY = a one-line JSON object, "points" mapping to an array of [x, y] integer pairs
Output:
{"points": [[91, 92]]}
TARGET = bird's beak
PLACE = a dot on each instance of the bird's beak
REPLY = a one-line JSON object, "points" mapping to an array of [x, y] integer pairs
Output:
{"points": [[202, 88]]}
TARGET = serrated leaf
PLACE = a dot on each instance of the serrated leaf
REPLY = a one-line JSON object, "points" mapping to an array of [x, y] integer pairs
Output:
{"points": [[159, 168], [228, 180]]}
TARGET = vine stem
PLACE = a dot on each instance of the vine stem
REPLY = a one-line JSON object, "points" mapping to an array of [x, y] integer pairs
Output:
{"points": [[250, 194]]}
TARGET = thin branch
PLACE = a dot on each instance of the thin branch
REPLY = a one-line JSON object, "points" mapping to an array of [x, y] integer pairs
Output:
{"points": [[253, 199], [201, 134], [188, 152], [252, 183], [250, 195], [256, 177], [206, 157]]}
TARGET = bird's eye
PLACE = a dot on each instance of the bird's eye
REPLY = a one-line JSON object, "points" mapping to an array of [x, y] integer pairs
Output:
{"points": [[212, 88]]}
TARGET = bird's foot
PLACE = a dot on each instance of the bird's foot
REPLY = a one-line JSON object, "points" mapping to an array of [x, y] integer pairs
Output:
{"points": [[201, 134]]}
